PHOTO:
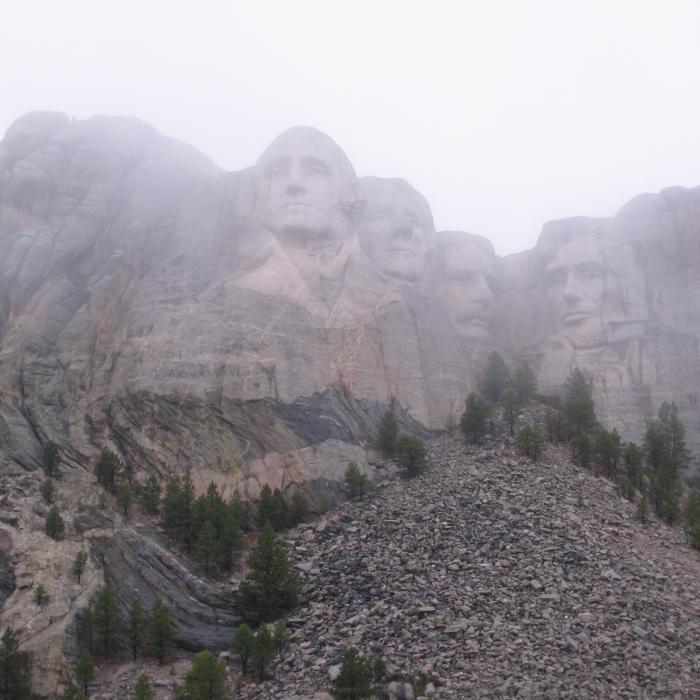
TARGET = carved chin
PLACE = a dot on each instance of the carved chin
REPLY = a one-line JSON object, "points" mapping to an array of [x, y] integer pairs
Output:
{"points": [[585, 335], [475, 331]]}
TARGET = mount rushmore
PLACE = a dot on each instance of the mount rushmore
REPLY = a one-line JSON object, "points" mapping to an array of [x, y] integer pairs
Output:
{"points": [[254, 326]]}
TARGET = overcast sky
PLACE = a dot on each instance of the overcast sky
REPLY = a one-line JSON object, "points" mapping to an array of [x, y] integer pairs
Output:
{"points": [[503, 114]]}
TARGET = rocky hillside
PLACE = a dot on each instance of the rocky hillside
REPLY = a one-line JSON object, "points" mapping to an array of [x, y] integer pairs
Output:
{"points": [[495, 577]]}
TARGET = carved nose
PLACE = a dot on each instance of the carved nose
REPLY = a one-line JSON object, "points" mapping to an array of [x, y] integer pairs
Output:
{"points": [[482, 292], [295, 188], [402, 230], [572, 293]]}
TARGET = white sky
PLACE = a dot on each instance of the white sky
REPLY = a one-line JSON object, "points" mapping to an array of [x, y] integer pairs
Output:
{"points": [[504, 114]]}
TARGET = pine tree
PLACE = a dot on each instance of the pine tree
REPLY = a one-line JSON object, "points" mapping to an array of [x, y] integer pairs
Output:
{"points": [[242, 646], [240, 511], [85, 629], [85, 670], [355, 480], [388, 434], [299, 509], [48, 490], [355, 678], [160, 631], [52, 458], [642, 510], [150, 494], [230, 544], [206, 680], [207, 546], [54, 526], [280, 637], [41, 596], [272, 508], [496, 378], [107, 468], [271, 586], [136, 628], [475, 419], [608, 449], [530, 442], [524, 383], [143, 689], [15, 674], [410, 455], [557, 425], [579, 407], [582, 450], [263, 651], [107, 618], [634, 465], [72, 692], [125, 498], [79, 564], [511, 408]]}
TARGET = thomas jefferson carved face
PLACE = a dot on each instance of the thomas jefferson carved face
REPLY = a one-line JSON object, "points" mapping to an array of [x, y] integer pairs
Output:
{"points": [[397, 228], [463, 284], [576, 285], [305, 188]]}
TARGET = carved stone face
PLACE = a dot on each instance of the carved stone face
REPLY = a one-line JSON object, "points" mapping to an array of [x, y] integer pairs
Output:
{"points": [[303, 179], [464, 287], [397, 228], [576, 285]]}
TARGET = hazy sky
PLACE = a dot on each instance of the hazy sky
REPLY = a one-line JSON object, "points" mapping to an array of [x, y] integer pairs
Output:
{"points": [[503, 114]]}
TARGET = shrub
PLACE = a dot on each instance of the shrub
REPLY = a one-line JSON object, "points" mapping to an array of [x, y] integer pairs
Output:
{"points": [[475, 419], [54, 526], [355, 678], [48, 490], [410, 455], [355, 481], [388, 434], [530, 442]]}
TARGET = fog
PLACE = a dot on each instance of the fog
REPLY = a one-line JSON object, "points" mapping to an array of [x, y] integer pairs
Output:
{"points": [[503, 114]]}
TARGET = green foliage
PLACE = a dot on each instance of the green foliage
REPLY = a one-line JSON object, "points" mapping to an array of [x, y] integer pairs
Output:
{"points": [[511, 407], [72, 692], [557, 425], [41, 596], [160, 631], [85, 670], [530, 442], [150, 494], [242, 646], [51, 458], [143, 689], [410, 455], [626, 488], [579, 408], [496, 378], [665, 488], [524, 383], [388, 434], [207, 546], [475, 419], [136, 628], [79, 564], [15, 673], [240, 511], [280, 637], [642, 513], [299, 508], [205, 681], [54, 526], [48, 490], [355, 678], [107, 469], [378, 669], [608, 450], [178, 509], [107, 619], [85, 629], [355, 481], [125, 498], [634, 465], [272, 508], [271, 586], [582, 450], [263, 651]]}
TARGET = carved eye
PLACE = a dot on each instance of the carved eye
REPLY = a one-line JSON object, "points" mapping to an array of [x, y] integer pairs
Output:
{"points": [[556, 277], [277, 171]]}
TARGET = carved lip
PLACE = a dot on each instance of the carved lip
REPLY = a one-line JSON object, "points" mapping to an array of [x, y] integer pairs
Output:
{"points": [[574, 317], [483, 321], [295, 204], [401, 250]]}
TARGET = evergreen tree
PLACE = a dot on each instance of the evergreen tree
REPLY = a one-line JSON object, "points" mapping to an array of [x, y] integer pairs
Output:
{"points": [[355, 480], [160, 631], [52, 458], [107, 618], [530, 442], [272, 508], [41, 596], [48, 490], [15, 674], [280, 637], [72, 692], [642, 510], [579, 408], [496, 378], [242, 647], [582, 450], [85, 629], [240, 511], [299, 509], [524, 383], [665, 490], [85, 670], [355, 678], [674, 431], [54, 526], [230, 544], [206, 680], [410, 455], [634, 465], [136, 628], [511, 408], [263, 651], [388, 434], [475, 419], [557, 425], [608, 449], [179, 509], [125, 498], [207, 546], [79, 564], [107, 469], [692, 517], [143, 689], [150, 493], [271, 586]]}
